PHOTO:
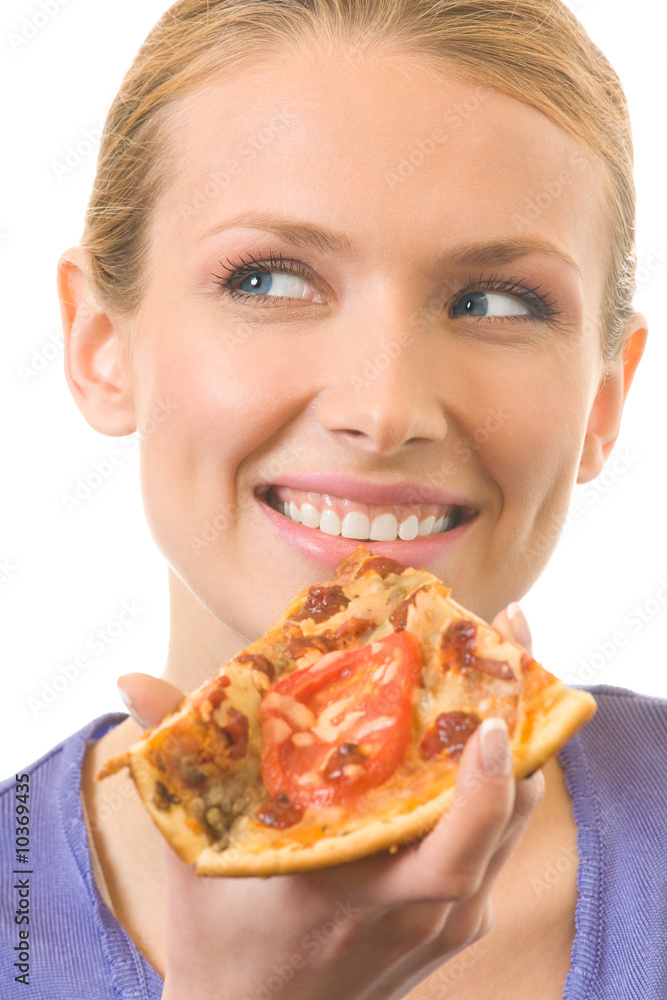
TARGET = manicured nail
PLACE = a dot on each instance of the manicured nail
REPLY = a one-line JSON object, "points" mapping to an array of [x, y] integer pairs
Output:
{"points": [[519, 625], [129, 704], [495, 748]]}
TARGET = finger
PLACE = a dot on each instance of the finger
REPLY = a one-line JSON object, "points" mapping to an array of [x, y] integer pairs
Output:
{"points": [[529, 794], [148, 699], [470, 918], [513, 624], [449, 863]]}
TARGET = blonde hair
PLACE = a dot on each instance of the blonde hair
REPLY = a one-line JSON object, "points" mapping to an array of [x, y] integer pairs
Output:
{"points": [[534, 50]]}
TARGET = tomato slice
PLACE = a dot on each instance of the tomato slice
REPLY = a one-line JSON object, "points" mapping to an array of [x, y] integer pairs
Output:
{"points": [[341, 726]]}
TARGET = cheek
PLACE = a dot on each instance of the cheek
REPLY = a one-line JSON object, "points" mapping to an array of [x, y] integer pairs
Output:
{"points": [[530, 432], [229, 398]]}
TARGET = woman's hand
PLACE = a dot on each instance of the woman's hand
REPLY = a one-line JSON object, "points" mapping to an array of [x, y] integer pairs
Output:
{"points": [[366, 930]]}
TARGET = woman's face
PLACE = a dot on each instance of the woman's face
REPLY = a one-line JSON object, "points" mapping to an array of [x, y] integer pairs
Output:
{"points": [[424, 322]]}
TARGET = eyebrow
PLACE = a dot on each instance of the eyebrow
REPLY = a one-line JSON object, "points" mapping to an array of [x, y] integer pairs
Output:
{"points": [[299, 233], [309, 235], [505, 251]]}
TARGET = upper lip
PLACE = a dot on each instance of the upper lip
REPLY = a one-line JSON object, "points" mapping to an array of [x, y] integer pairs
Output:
{"points": [[349, 488]]}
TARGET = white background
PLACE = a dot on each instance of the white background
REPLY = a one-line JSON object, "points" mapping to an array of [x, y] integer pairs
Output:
{"points": [[63, 575]]}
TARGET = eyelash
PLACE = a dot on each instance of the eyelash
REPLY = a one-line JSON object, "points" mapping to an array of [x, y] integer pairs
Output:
{"points": [[541, 304]]}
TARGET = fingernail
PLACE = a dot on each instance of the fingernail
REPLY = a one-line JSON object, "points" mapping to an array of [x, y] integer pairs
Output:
{"points": [[129, 704], [519, 624], [495, 748]]}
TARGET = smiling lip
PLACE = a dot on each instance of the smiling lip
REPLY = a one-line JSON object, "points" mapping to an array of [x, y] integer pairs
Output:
{"points": [[371, 493], [327, 550]]}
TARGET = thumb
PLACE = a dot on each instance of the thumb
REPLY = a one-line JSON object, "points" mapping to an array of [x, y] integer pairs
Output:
{"points": [[148, 699], [513, 624]]}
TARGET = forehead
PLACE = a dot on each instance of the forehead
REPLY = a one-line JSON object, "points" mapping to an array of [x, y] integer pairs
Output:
{"points": [[398, 154]]}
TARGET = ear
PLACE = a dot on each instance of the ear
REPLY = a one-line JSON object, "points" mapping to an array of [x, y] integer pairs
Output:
{"points": [[96, 357], [604, 421]]}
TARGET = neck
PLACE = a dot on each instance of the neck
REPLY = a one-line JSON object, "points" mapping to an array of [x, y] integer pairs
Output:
{"points": [[199, 643]]}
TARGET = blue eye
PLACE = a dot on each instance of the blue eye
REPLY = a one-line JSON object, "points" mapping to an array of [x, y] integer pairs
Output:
{"points": [[290, 286], [489, 304], [257, 283], [269, 282]]}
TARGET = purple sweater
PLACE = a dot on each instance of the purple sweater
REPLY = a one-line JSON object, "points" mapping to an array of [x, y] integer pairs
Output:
{"points": [[616, 772]]}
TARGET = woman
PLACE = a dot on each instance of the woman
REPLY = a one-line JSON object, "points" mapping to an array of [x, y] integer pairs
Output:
{"points": [[308, 245]]}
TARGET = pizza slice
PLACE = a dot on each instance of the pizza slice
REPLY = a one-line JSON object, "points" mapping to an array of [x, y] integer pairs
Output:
{"points": [[338, 732]]}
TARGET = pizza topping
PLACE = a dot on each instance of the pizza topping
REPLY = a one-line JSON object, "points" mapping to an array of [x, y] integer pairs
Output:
{"points": [[457, 649], [213, 697], [535, 677], [321, 603], [450, 732], [350, 629], [300, 644], [345, 693], [399, 617], [343, 761], [381, 565], [190, 773], [280, 813], [163, 798], [236, 731], [258, 662], [299, 716]]}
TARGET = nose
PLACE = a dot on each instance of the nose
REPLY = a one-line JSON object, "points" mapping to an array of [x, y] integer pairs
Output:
{"points": [[382, 394]]}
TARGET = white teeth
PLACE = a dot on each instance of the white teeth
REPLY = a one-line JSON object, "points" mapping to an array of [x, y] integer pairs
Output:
{"points": [[294, 512], [310, 515], [384, 528], [355, 525], [409, 528], [330, 522], [426, 526]]}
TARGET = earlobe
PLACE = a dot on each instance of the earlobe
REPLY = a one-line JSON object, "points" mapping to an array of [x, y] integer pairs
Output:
{"points": [[604, 420], [96, 361]]}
